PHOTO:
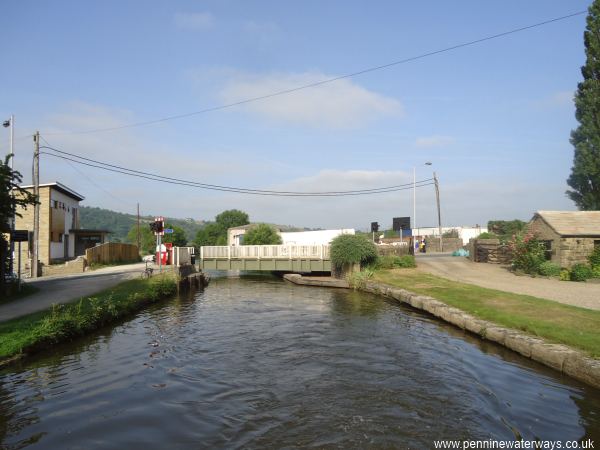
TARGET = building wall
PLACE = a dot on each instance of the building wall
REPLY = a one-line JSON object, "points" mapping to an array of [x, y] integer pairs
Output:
{"points": [[319, 237], [26, 223], [566, 251], [546, 233], [64, 217], [52, 219], [576, 250]]}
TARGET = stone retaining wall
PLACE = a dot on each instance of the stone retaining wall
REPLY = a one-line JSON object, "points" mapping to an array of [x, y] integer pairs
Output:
{"points": [[560, 357], [75, 266]]}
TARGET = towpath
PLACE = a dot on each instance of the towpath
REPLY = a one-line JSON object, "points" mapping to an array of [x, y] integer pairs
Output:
{"points": [[67, 288], [494, 276]]}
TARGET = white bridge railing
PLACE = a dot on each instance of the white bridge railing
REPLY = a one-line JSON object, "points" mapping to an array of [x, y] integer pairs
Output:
{"points": [[265, 252]]}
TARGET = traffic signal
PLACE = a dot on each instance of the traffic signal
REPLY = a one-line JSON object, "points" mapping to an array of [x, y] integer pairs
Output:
{"points": [[374, 227], [157, 226]]}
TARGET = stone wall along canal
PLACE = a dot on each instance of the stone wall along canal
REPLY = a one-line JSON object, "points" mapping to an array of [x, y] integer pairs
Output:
{"points": [[260, 363]]}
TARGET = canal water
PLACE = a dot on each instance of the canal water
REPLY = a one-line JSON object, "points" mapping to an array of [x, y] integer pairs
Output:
{"points": [[255, 362]]}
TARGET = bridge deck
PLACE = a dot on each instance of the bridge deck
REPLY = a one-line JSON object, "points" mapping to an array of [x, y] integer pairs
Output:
{"points": [[288, 258]]}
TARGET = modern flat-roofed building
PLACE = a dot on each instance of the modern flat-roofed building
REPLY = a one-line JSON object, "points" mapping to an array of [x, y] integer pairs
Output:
{"points": [[60, 235]]}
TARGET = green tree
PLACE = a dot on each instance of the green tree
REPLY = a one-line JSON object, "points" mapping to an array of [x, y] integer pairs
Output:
{"points": [[177, 237], [215, 233], [209, 235], [12, 196], [262, 234], [506, 229], [585, 173], [232, 218], [147, 238]]}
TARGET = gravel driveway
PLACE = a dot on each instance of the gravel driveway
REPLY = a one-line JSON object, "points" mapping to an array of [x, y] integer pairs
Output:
{"points": [[493, 276]]}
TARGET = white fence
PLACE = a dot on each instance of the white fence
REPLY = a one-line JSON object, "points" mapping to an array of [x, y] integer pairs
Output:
{"points": [[265, 252]]}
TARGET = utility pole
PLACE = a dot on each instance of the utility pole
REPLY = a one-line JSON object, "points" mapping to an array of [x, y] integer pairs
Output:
{"points": [[138, 228], [11, 124], [437, 198], [36, 208], [414, 224]]}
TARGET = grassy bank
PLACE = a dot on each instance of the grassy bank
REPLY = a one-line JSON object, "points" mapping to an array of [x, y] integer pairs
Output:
{"points": [[63, 322], [553, 321]]}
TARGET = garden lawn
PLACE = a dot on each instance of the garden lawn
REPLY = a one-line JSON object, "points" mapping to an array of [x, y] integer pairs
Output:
{"points": [[553, 321], [63, 322]]}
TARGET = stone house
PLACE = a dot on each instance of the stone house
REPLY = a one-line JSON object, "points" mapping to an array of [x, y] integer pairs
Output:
{"points": [[60, 235], [570, 236]]}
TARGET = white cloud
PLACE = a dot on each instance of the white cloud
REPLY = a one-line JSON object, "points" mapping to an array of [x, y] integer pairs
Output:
{"points": [[340, 104], [555, 100], [434, 141], [463, 201], [194, 21]]}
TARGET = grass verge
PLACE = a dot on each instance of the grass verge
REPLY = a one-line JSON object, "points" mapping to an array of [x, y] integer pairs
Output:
{"points": [[36, 331], [553, 321]]}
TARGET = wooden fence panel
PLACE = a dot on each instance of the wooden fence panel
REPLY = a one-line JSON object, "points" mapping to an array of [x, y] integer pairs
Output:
{"points": [[112, 252]]}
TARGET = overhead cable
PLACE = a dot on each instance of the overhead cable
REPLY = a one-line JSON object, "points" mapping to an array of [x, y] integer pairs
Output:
{"points": [[325, 81], [168, 180]]}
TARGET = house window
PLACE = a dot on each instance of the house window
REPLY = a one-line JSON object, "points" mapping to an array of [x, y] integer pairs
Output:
{"points": [[547, 250]]}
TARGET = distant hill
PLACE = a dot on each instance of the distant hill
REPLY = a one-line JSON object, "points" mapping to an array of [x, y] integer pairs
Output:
{"points": [[120, 223]]}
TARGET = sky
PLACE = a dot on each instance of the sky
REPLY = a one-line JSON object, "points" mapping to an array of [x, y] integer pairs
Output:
{"points": [[493, 118]]}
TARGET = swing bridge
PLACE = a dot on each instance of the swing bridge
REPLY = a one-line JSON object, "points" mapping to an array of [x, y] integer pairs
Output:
{"points": [[284, 258]]}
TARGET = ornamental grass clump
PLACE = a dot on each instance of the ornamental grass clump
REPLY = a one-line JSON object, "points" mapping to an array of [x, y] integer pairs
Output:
{"points": [[348, 249]]}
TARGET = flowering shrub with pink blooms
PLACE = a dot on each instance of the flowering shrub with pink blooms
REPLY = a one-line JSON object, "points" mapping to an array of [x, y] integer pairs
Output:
{"points": [[528, 252]]}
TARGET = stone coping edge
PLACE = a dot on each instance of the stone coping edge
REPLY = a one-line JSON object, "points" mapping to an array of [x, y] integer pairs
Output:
{"points": [[560, 357], [315, 281]]}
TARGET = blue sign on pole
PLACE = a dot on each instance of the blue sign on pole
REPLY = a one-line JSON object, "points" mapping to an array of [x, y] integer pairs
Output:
{"points": [[168, 230]]}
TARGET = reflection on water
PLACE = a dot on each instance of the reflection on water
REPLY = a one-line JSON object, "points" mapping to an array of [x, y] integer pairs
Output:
{"points": [[254, 362]]}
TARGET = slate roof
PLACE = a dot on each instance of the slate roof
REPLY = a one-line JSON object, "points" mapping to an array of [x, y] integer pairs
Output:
{"points": [[572, 223]]}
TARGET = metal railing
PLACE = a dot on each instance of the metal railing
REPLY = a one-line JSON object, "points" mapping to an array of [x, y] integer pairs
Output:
{"points": [[265, 252]]}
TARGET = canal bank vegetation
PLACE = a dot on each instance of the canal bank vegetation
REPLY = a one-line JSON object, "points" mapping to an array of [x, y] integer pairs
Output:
{"points": [[552, 321], [63, 322], [349, 249]]}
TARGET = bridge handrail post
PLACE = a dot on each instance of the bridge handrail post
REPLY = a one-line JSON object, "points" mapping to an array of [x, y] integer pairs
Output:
{"points": [[229, 252]]}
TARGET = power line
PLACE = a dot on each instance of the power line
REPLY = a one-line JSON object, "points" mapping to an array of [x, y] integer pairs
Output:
{"points": [[240, 191], [125, 170], [326, 81], [91, 181]]}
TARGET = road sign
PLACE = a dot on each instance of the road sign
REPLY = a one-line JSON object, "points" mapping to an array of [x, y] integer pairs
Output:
{"points": [[401, 223], [20, 235], [168, 230]]}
